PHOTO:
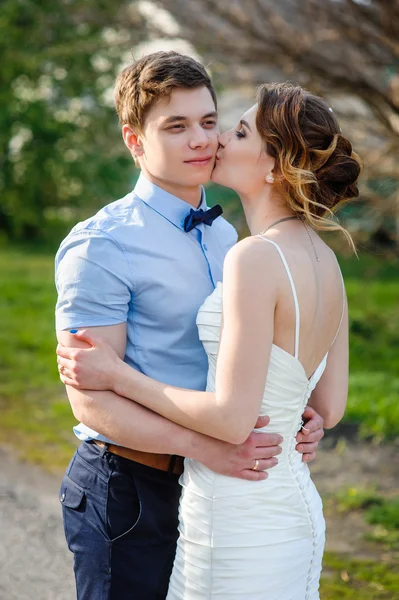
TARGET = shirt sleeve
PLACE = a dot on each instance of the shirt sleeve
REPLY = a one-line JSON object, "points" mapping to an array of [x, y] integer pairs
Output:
{"points": [[231, 236], [93, 279]]}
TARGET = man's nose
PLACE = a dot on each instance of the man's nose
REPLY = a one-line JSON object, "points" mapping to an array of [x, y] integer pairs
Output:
{"points": [[199, 138]]}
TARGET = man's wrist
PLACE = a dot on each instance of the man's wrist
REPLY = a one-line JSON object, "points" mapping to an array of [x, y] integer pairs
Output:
{"points": [[201, 447]]}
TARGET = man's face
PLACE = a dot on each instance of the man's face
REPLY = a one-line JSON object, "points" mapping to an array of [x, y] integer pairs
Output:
{"points": [[180, 139]]}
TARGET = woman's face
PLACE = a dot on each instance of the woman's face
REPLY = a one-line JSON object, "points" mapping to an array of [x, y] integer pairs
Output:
{"points": [[241, 160]]}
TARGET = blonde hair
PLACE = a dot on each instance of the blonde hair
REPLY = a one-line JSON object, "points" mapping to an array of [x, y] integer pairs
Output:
{"points": [[317, 163]]}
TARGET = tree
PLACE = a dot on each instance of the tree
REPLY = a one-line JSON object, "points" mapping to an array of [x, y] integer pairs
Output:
{"points": [[60, 148], [346, 47]]}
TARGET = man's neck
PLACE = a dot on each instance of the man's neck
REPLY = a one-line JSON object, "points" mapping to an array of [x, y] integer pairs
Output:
{"points": [[191, 195]]}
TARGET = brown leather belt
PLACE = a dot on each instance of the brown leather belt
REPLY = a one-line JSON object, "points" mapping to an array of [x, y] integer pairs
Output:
{"points": [[163, 462]]}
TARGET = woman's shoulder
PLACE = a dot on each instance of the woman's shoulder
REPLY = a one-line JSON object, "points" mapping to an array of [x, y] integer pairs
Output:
{"points": [[249, 249], [250, 258], [251, 252]]}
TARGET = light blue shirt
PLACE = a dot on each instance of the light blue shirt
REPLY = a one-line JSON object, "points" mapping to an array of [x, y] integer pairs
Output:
{"points": [[133, 262]]}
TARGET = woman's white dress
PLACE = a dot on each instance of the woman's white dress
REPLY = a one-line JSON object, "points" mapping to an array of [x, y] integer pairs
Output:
{"points": [[249, 540]]}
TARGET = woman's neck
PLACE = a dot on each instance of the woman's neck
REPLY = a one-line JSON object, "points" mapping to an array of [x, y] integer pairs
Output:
{"points": [[261, 211]]}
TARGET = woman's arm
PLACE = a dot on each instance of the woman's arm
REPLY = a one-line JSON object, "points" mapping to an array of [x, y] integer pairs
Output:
{"points": [[126, 423], [331, 393], [249, 300]]}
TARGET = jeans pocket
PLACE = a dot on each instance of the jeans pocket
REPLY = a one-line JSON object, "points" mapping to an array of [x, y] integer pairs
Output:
{"points": [[73, 501], [123, 505]]}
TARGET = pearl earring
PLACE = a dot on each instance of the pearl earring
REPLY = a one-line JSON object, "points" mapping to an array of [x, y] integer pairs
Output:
{"points": [[270, 178]]}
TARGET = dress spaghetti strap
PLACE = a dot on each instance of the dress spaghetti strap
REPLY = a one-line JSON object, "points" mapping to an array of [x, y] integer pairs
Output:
{"points": [[296, 303], [297, 313]]}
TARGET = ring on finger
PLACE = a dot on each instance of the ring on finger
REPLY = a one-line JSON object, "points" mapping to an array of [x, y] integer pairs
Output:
{"points": [[61, 369], [256, 465]]}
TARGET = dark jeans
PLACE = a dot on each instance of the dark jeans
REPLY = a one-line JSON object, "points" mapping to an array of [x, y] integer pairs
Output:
{"points": [[120, 521]]}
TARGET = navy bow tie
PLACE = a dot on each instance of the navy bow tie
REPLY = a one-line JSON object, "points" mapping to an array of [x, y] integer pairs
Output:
{"points": [[195, 217]]}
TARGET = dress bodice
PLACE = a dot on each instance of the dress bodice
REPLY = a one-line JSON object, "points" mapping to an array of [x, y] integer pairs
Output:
{"points": [[287, 388]]}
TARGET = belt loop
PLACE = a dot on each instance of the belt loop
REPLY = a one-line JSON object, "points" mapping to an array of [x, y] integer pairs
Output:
{"points": [[172, 463], [104, 449]]}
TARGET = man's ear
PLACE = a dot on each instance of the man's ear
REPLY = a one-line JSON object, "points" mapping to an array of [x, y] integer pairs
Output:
{"points": [[132, 141]]}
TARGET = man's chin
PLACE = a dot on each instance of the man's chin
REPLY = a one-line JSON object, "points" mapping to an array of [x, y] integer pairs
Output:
{"points": [[203, 177], [215, 177]]}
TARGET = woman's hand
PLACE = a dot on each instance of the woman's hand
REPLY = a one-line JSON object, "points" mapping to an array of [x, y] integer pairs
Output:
{"points": [[93, 368]]}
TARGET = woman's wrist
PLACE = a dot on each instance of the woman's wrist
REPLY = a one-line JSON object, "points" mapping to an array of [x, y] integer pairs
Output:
{"points": [[118, 374]]}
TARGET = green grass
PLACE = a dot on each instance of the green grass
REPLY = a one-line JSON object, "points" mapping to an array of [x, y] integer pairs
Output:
{"points": [[357, 499], [379, 511], [344, 578], [385, 519], [35, 414], [386, 514], [374, 356]]}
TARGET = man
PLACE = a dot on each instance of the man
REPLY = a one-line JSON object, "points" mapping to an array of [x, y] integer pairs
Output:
{"points": [[137, 272]]}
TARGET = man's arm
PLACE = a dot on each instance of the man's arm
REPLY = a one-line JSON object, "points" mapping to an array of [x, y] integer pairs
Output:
{"points": [[94, 282]]}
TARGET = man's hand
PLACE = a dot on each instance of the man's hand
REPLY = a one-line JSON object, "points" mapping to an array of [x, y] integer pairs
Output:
{"points": [[309, 436], [259, 450]]}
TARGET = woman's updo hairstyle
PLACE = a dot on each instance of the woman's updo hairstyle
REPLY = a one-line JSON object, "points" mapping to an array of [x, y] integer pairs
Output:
{"points": [[317, 163]]}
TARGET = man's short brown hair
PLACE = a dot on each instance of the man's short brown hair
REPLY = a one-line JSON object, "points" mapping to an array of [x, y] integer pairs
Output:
{"points": [[147, 80]]}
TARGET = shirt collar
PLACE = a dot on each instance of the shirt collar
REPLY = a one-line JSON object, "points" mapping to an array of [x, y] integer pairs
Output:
{"points": [[171, 207]]}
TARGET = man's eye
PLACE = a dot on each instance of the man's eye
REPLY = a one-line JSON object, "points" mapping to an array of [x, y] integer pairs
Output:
{"points": [[176, 127], [210, 123]]}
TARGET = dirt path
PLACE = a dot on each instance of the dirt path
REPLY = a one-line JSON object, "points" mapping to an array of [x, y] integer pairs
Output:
{"points": [[358, 465], [35, 562]]}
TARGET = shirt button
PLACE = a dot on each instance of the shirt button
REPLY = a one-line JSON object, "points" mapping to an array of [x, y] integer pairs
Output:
{"points": [[62, 498]]}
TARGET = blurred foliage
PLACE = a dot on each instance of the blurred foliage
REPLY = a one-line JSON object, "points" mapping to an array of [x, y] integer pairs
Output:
{"points": [[378, 510], [374, 343], [386, 515], [345, 51], [60, 148], [61, 153], [349, 579], [35, 415], [354, 498]]}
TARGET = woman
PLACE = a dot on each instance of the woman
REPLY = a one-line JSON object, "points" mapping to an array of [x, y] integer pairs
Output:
{"points": [[283, 344]]}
